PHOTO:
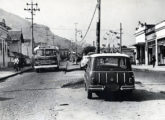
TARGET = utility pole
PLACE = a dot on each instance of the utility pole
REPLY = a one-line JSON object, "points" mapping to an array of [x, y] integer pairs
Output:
{"points": [[93, 43], [33, 8], [98, 27], [120, 37], [47, 35], [76, 39], [53, 40]]}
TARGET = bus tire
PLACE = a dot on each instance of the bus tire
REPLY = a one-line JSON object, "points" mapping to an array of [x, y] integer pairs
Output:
{"points": [[37, 70], [89, 94]]}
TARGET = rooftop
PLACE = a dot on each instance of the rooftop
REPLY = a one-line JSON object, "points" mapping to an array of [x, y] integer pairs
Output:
{"points": [[15, 35]]}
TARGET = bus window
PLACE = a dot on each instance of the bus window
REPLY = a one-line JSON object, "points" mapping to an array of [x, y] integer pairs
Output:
{"points": [[40, 52], [50, 52]]}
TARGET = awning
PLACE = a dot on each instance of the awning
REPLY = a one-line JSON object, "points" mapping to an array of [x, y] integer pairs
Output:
{"points": [[139, 44]]}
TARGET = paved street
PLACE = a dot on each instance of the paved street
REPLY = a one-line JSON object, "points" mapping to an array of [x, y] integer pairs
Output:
{"points": [[40, 96]]}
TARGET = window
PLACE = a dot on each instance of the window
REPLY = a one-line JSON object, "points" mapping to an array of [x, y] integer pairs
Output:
{"points": [[162, 48], [40, 52], [50, 52], [112, 63]]}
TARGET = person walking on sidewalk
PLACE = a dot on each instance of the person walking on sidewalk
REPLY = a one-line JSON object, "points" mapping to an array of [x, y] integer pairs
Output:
{"points": [[153, 61], [16, 62]]}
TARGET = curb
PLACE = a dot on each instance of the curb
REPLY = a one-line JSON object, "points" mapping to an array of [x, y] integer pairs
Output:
{"points": [[14, 74]]}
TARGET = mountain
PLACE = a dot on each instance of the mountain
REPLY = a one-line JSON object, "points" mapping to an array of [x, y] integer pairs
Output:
{"points": [[42, 33]]}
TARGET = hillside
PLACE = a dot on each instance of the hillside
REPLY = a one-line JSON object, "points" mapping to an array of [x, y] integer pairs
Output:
{"points": [[40, 31]]}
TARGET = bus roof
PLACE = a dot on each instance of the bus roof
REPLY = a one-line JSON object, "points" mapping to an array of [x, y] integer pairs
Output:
{"points": [[109, 54], [45, 47]]}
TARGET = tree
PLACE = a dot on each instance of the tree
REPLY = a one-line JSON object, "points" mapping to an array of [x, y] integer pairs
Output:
{"points": [[88, 49]]}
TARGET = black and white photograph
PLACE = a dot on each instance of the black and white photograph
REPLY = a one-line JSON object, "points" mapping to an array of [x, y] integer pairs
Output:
{"points": [[82, 60]]}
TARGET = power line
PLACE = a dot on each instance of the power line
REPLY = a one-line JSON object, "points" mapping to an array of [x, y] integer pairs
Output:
{"points": [[89, 24]]}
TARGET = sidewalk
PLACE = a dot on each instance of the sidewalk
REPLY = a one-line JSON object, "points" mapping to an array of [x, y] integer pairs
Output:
{"points": [[9, 72], [149, 68]]}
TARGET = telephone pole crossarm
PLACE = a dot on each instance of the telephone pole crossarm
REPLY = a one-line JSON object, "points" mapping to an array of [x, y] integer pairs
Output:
{"points": [[32, 7]]}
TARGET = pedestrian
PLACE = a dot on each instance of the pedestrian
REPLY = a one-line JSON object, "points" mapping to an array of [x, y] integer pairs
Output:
{"points": [[20, 63], [16, 62], [153, 61]]}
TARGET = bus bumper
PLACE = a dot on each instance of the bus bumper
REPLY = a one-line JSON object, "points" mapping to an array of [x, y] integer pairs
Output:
{"points": [[45, 66]]}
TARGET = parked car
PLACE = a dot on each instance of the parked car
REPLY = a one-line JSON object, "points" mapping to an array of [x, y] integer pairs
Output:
{"points": [[110, 72], [91, 53], [84, 61]]}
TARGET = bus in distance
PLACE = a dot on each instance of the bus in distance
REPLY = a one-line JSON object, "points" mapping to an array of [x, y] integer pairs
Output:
{"points": [[46, 58]]}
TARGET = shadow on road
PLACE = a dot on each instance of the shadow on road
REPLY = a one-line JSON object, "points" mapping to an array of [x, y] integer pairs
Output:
{"points": [[137, 96], [74, 69], [74, 85], [26, 90], [5, 99], [59, 70]]}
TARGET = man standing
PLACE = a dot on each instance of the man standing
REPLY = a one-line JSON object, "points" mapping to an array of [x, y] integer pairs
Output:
{"points": [[153, 61]]}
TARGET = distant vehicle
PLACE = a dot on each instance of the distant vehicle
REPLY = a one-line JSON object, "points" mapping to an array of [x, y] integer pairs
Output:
{"points": [[110, 72], [83, 62], [46, 58], [28, 61], [91, 53]]}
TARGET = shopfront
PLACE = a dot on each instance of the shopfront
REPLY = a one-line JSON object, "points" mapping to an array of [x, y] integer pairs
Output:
{"points": [[160, 42], [4, 58], [150, 42], [161, 51]]}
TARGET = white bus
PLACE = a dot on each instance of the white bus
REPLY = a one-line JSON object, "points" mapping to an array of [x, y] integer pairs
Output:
{"points": [[46, 58]]}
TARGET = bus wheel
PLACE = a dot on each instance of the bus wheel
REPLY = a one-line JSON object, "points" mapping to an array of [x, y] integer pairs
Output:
{"points": [[89, 94], [58, 68], [37, 70]]}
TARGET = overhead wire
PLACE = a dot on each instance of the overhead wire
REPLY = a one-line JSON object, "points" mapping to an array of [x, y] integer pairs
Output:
{"points": [[89, 25]]}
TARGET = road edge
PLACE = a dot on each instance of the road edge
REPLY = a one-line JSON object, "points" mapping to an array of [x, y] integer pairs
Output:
{"points": [[14, 74]]}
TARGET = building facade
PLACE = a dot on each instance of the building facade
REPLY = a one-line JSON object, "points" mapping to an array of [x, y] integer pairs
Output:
{"points": [[150, 42], [160, 43], [4, 39], [16, 42], [27, 48]]}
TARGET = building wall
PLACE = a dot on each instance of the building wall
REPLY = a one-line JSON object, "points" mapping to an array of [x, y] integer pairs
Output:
{"points": [[160, 34], [154, 38], [160, 30], [140, 38], [150, 37], [4, 58], [15, 47], [27, 49]]}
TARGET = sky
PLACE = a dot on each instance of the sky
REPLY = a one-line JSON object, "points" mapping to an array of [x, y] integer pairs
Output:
{"points": [[61, 16]]}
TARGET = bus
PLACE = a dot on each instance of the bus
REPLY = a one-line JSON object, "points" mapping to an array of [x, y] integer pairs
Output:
{"points": [[47, 57]]}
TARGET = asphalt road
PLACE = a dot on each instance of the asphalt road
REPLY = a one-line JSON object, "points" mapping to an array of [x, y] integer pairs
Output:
{"points": [[40, 96]]}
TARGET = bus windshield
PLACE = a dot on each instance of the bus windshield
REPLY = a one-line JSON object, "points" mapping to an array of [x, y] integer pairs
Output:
{"points": [[50, 52], [46, 52]]}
